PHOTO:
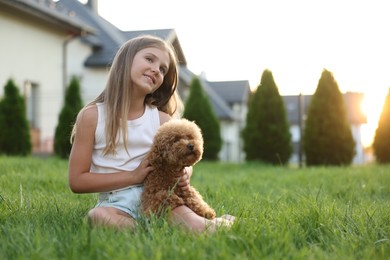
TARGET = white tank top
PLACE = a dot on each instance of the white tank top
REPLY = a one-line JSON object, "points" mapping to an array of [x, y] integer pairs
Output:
{"points": [[140, 133]]}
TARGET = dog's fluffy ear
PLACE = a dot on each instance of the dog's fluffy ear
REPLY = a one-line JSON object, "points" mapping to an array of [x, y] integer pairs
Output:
{"points": [[158, 150]]}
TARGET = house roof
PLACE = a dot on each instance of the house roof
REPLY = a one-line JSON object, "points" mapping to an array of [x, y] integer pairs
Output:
{"points": [[232, 91], [221, 97], [51, 12], [108, 38], [221, 108]]}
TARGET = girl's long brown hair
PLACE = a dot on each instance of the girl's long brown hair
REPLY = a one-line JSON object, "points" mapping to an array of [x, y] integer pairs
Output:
{"points": [[118, 90]]}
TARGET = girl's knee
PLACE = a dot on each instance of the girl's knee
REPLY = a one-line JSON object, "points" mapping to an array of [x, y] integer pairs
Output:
{"points": [[106, 216], [96, 213], [96, 216]]}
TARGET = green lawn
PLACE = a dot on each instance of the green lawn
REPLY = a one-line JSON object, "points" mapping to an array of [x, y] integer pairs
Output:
{"points": [[282, 213]]}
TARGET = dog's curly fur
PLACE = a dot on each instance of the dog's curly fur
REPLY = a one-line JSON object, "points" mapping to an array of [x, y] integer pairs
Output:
{"points": [[177, 144]]}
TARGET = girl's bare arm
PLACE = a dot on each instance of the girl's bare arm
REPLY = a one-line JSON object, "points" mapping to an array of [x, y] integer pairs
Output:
{"points": [[81, 180]]}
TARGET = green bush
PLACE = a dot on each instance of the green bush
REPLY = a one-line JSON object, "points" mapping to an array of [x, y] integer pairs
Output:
{"points": [[266, 135], [382, 134], [67, 118], [327, 135], [14, 130], [198, 108]]}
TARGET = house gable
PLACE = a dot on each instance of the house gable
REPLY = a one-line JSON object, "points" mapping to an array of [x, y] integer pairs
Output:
{"points": [[108, 38], [49, 12]]}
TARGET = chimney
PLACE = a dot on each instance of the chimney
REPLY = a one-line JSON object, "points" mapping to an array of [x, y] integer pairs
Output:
{"points": [[93, 5]]}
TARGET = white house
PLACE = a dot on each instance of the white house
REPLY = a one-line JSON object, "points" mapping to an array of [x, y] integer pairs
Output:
{"points": [[48, 42], [33, 39]]}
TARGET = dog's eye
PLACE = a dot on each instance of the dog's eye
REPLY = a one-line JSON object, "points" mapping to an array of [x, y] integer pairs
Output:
{"points": [[177, 139]]}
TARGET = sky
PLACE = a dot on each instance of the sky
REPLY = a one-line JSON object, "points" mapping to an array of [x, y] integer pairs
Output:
{"points": [[237, 40]]}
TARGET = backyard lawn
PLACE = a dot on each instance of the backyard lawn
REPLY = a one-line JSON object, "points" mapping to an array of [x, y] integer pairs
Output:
{"points": [[282, 213]]}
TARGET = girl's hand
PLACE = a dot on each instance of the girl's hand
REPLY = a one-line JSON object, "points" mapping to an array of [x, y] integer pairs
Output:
{"points": [[140, 173], [184, 182]]}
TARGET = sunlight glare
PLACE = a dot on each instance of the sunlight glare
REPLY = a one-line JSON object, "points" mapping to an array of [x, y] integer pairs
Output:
{"points": [[371, 106]]}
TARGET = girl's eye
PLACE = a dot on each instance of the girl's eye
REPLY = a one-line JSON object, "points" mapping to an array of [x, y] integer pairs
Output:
{"points": [[163, 71], [150, 60]]}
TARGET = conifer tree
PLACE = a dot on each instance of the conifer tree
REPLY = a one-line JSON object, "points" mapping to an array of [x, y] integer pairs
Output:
{"points": [[198, 108], [67, 118], [327, 135], [266, 135], [381, 143], [14, 127]]}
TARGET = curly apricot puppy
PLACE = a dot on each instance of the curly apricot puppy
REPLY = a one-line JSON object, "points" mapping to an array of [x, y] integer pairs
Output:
{"points": [[177, 144]]}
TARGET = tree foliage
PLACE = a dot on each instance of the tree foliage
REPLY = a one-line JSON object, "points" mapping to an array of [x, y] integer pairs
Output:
{"points": [[266, 135], [14, 130], [67, 118], [327, 136], [381, 143], [198, 108]]}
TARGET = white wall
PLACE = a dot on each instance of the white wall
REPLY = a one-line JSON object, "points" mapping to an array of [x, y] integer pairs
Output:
{"points": [[231, 146], [32, 52], [359, 156], [92, 80], [93, 83]]}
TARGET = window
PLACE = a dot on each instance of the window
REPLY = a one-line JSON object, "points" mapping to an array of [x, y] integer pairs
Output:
{"points": [[31, 98]]}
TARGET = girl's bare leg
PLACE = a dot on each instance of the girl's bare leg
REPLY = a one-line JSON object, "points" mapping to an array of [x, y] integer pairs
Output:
{"points": [[185, 217], [112, 217]]}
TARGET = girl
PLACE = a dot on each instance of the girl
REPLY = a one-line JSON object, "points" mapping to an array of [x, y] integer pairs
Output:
{"points": [[115, 131]]}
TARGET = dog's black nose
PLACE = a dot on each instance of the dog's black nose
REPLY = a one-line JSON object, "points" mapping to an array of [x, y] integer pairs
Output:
{"points": [[190, 147]]}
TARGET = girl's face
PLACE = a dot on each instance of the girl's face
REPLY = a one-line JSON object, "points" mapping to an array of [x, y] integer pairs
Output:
{"points": [[150, 65]]}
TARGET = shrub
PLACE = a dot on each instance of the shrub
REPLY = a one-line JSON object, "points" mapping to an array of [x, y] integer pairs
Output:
{"points": [[327, 135], [14, 130], [67, 118], [266, 135], [198, 108], [381, 143]]}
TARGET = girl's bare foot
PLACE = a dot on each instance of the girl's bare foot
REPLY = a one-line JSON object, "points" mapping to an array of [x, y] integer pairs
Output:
{"points": [[228, 217], [224, 221]]}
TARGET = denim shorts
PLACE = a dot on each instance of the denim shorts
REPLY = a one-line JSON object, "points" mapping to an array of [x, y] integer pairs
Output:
{"points": [[127, 200]]}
